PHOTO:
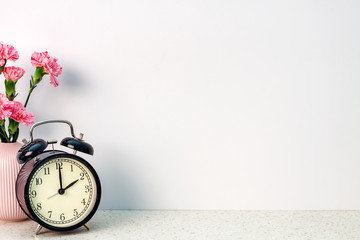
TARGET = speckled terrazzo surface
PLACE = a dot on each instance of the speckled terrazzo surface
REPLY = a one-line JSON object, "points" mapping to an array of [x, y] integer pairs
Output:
{"points": [[234, 225]]}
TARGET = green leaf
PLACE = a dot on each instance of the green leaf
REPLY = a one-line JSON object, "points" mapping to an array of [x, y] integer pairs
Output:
{"points": [[3, 134], [15, 136]]}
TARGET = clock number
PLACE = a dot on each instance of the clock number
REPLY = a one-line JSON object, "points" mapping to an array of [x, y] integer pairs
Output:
{"points": [[50, 213], [87, 188], [38, 206], [47, 171], [83, 201], [71, 167], [75, 212], [59, 165], [62, 217], [38, 181], [33, 194], [82, 176]]}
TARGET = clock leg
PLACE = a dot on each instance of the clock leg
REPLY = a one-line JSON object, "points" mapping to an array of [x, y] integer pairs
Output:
{"points": [[38, 229], [86, 226]]}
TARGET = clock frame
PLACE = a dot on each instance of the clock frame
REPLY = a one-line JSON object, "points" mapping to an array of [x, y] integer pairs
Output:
{"points": [[34, 157], [92, 203]]}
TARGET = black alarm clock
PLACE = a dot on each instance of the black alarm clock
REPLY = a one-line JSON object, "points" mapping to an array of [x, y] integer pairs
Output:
{"points": [[59, 190]]}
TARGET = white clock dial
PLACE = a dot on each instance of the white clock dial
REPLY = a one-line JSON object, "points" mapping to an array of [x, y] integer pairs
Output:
{"points": [[62, 192]]}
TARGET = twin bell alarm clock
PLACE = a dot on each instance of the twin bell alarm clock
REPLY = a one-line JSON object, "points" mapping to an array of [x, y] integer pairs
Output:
{"points": [[59, 190]]}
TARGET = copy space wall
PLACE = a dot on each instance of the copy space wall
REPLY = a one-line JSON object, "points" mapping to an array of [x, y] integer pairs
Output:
{"points": [[202, 104]]}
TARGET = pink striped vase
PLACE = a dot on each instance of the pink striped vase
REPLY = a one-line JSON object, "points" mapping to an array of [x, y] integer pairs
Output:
{"points": [[9, 169]]}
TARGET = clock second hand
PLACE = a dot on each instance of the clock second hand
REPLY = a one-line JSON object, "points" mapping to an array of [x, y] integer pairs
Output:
{"points": [[53, 195]]}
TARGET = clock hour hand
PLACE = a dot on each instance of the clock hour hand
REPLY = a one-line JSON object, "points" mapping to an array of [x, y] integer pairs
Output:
{"points": [[62, 191], [71, 184]]}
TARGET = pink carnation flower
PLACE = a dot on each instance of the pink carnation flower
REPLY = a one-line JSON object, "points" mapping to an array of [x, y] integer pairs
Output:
{"points": [[14, 110], [19, 114], [49, 64], [13, 73], [5, 107], [39, 59], [3, 100], [7, 52]]}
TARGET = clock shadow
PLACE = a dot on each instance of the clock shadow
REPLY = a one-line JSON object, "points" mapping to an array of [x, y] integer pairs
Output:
{"points": [[121, 187], [105, 224]]}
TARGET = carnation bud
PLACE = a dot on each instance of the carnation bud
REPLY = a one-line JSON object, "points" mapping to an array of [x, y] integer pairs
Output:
{"points": [[10, 89], [38, 75]]}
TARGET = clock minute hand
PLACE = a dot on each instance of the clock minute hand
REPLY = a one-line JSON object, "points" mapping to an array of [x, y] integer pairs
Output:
{"points": [[60, 179], [71, 184]]}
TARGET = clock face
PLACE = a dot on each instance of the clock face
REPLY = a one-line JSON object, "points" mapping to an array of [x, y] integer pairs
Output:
{"points": [[63, 192]]}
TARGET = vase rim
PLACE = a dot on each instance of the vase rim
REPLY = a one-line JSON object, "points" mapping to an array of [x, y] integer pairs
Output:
{"points": [[10, 143]]}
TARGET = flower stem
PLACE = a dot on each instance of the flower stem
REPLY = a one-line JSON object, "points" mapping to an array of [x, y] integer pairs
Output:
{"points": [[28, 96]]}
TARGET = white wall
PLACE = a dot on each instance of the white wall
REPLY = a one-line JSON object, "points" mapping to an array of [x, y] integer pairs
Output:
{"points": [[203, 104]]}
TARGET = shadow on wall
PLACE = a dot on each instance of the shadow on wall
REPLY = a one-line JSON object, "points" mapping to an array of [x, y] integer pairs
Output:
{"points": [[73, 100], [119, 189], [49, 102], [72, 81]]}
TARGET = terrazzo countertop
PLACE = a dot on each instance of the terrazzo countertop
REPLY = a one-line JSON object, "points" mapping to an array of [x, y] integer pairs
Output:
{"points": [[209, 225]]}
